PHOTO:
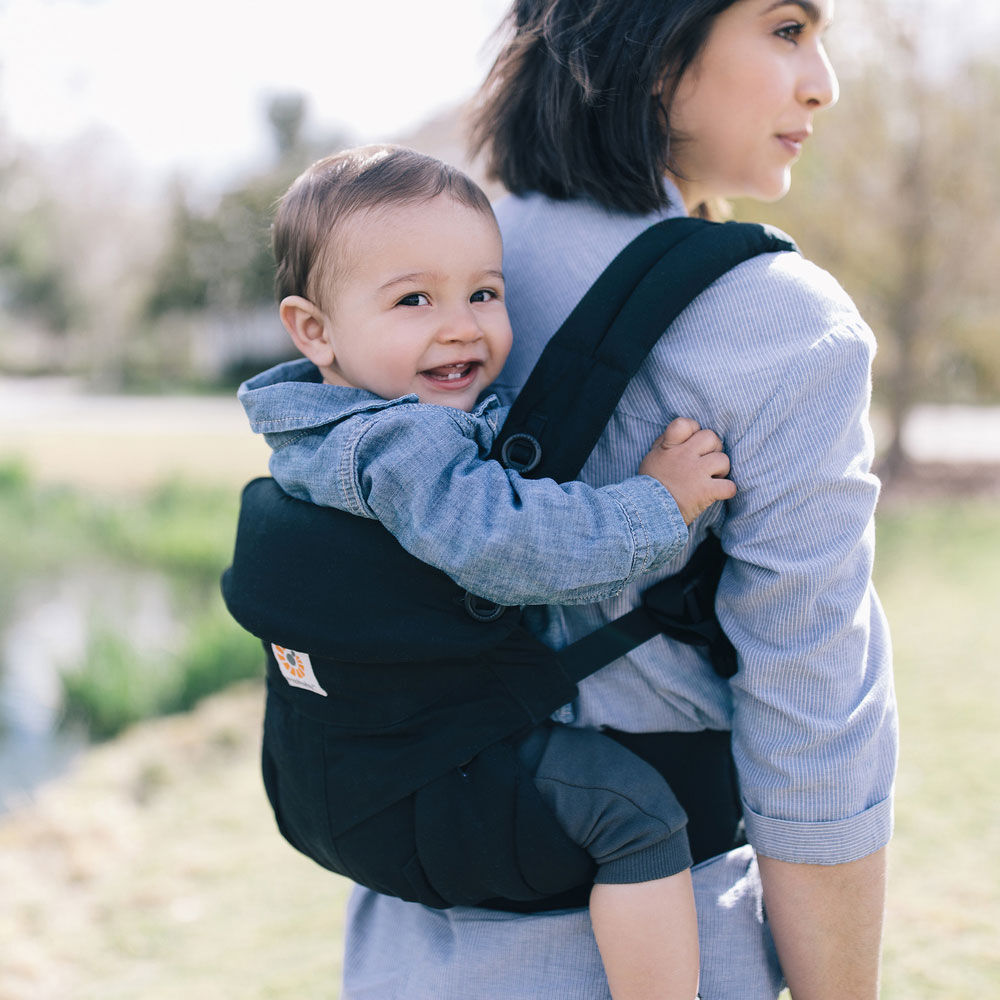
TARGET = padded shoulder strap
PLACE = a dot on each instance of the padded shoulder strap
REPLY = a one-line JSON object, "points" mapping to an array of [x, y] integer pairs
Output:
{"points": [[568, 399]]}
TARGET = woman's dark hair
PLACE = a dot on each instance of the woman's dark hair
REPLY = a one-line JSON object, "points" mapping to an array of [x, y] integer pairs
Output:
{"points": [[577, 102], [312, 211]]}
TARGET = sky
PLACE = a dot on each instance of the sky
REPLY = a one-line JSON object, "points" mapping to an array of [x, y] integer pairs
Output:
{"points": [[181, 84]]}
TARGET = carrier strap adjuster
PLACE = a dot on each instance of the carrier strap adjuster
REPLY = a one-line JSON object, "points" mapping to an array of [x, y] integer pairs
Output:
{"points": [[481, 609], [521, 452]]}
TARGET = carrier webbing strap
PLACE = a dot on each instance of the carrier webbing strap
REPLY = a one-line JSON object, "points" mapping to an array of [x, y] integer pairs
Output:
{"points": [[587, 655], [680, 606], [583, 371]]}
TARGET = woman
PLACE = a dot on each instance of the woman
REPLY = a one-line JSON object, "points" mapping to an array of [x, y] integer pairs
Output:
{"points": [[602, 123]]}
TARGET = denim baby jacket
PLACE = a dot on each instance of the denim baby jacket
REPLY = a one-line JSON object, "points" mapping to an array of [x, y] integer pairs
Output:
{"points": [[420, 470]]}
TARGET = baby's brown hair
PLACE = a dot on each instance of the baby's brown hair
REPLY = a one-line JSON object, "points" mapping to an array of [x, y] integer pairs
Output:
{"points": [[334, 188]]}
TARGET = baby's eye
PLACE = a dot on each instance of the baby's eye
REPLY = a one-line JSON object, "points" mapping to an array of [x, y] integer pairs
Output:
{"points": [[414, 299], [791, 32], [483, 295]]}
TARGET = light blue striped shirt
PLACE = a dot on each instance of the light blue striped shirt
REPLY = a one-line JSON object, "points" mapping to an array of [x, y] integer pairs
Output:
{"points": [[775, 358]]}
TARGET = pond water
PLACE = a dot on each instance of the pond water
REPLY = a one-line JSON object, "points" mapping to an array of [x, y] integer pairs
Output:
{"points": [[45, 634]]}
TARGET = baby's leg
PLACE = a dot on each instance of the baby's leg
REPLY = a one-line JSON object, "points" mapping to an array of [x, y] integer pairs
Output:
{"points": [[647, 933], [620, 809]]}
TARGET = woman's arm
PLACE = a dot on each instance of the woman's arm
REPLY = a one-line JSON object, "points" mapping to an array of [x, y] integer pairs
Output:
{"points": [[814, 730], [814, 727], [827, 925]]}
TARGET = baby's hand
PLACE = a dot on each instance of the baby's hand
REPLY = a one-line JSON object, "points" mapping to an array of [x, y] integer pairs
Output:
{"points": [[690, 462]]}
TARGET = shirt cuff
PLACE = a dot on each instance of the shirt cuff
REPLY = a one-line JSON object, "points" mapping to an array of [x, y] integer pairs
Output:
{"points": [[832, 842], [658, 528]]}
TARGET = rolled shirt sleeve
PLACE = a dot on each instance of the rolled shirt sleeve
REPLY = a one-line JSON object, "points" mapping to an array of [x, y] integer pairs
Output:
{"points": [[814, 732]]}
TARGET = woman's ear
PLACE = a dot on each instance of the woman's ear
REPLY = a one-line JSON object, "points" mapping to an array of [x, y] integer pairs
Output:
{"points": [[309, 329]]}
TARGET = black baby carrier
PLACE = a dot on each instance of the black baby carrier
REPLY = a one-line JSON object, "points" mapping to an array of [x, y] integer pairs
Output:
{"points": [[394, 697]]}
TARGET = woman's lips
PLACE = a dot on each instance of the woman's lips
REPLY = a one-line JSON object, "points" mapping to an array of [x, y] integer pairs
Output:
{"points": [[793, 141]]}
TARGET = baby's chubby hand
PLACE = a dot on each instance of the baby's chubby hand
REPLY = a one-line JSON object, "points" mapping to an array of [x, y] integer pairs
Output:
{"points": [[689, 461]]}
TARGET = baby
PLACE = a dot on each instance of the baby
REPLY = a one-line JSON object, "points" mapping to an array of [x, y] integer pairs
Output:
{"points": [[390, 282]]}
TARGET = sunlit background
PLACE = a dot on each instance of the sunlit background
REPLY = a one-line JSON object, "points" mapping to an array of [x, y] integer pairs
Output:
{"points": [[181, 84], [142, 144]]}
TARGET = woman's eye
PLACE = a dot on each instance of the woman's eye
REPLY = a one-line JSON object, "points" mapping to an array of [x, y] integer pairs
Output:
{"points": [[791, 32], [414, 299], [483, 295]]}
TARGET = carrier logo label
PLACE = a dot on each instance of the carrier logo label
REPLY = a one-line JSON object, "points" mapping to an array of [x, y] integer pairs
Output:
{"points": [[297, 669]]}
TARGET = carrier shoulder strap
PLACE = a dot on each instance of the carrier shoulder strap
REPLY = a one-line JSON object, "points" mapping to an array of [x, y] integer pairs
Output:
{"points": [[564, 406], [584, 369]]}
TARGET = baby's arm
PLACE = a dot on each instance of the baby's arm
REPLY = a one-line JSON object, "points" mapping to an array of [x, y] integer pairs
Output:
{"points": [[690, 463], [508, 539]]}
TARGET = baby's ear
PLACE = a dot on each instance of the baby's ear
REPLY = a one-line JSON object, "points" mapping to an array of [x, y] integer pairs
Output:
{"points": [[308, 327]]}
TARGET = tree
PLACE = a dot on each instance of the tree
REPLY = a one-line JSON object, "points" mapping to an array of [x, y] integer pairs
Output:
{"points": [[897, 199], [220, 258], [286, 114], [36, 278]]}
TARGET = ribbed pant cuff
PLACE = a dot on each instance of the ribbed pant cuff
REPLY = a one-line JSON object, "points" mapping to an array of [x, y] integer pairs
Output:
{"points": [[659, 860]]}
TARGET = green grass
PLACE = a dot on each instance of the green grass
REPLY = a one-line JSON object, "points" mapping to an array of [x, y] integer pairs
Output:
{"points": [[177, 883], [178, 527], [179, 533], [119, 683], [939, 577]]}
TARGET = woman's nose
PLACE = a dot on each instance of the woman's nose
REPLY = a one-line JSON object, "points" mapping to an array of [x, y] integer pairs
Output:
{"points": [[818, 86]]}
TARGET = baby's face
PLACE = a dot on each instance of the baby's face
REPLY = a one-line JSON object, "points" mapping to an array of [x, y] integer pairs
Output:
{"points": [[418, 306]]}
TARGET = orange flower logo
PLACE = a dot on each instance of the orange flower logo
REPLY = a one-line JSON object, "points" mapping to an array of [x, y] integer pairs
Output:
{"points": [[290, 663], [297, 669]]}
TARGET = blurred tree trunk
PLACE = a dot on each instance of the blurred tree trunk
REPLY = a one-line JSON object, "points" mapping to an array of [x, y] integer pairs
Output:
{"points": [[910, 310]]}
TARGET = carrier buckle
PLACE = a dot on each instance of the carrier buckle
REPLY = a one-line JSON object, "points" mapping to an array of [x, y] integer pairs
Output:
{"points": [[481, 609], [521, 452]]}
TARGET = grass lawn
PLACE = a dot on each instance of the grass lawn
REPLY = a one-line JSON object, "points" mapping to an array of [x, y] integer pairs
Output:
{"points": [[154, 870], [939, 576]]}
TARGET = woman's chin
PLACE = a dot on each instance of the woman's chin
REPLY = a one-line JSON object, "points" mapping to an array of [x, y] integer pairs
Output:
{"points": [[777, 189]]}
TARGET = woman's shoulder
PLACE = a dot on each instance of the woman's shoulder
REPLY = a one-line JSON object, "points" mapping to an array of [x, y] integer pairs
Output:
{"points": [[770, 315], [572, 239], [791, 296], [772, 322]]}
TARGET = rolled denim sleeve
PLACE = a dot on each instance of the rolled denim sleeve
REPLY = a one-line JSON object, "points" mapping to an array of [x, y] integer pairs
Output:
{"points": [[508, 539], [814, 730]]}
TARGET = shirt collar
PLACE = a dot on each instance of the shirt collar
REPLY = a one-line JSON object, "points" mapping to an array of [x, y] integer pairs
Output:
{"points": [[292, 396]]}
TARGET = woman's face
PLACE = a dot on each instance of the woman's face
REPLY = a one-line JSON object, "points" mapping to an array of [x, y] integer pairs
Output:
{"points": [[745, 106]]}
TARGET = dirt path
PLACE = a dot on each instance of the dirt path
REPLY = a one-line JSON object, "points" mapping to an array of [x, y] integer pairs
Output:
{"points": [[153, 870], [114, 443]]}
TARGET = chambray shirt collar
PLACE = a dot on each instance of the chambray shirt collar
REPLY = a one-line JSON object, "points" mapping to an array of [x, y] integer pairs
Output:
{"points": [[292, 396]]}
